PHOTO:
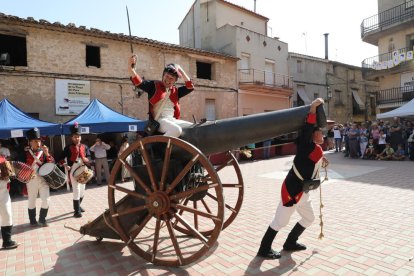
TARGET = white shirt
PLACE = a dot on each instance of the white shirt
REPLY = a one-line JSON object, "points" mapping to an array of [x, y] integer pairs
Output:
{"points": [[337, 133], [100, 150], [167, 107]]}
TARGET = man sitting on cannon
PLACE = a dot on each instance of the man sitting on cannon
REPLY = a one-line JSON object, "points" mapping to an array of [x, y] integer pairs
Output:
{"points": [[163, 97]]}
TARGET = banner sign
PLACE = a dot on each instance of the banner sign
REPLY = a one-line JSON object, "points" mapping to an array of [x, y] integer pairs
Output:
{"points": [[72, 96]]}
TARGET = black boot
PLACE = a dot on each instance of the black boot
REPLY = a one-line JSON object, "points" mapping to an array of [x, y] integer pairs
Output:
{"points": [[265, 249], [6, 235], [32, 217], [42, 217], [80, 202], [76, 207], [291, 243]]}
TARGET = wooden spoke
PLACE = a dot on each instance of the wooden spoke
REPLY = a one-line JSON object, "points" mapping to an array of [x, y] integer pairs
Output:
{"points": [[174, 240], [166, 164], [136, 177], [191, 192], [195, 215], [127, 191], [182, 174], [156, 238], [195, 211], [205, 206], [130, 211], [232, 185], [149, 167], [192, 229], [226, 205]]}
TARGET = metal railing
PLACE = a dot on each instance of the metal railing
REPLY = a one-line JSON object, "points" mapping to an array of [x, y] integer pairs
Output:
{"points": [[397, 95], [398, 14], [265, 78], [372, 62]]}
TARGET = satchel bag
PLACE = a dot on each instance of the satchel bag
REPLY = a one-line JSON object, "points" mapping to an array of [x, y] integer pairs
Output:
{"points": [[310, 184], [151, 127]]}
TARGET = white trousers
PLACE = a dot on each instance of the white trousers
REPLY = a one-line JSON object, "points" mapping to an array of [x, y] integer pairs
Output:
{"points": [[38, 186], [283, 213], [171, 126], [5, 205], [78, 189]]}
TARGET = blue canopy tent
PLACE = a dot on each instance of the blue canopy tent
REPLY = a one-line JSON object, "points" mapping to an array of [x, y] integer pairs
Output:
{"points": [[14, 122], [98, 118]]}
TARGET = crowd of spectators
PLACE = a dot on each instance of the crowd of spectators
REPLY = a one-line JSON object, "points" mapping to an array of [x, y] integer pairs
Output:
{"points": [[376, 140]]}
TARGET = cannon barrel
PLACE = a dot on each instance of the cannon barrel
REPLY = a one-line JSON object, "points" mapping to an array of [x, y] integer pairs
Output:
{"points": [[227, 134]]}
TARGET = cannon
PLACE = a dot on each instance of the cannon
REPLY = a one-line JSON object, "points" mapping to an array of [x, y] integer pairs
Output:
{"points": [[173, 211]]}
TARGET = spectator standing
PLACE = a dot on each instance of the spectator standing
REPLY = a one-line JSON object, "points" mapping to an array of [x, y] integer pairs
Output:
{"points": [[338, 138], [100, 148], [396, 134], [363, 139]]}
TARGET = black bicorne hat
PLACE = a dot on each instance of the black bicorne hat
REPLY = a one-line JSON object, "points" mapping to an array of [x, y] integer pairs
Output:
{"points": [[75, 129], [33, 133]]}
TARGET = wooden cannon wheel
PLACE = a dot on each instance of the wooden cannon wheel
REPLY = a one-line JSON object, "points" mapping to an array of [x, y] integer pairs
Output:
{"points": [[164, 206], [233, 190]]}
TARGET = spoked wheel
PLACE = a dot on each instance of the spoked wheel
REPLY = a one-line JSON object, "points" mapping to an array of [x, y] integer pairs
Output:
{"points": [[172, 172], [233, 190]]}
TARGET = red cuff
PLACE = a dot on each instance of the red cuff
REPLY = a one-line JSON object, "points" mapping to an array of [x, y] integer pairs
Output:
{"points": [[136, 80], [189, 84], [311, 118]]}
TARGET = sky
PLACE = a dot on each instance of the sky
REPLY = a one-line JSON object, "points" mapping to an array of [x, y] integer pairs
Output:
{"points": [[300, 23]]}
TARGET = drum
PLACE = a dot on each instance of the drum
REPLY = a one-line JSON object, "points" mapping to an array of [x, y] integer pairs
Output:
{"points": [[83, 174], [23, 172], [53, 176]]}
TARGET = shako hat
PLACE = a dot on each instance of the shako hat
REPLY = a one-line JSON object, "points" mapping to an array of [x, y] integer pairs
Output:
{"points": [[33, 134], [75, 129]]}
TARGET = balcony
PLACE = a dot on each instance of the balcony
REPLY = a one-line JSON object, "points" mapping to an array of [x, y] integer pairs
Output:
{"points": [[265, 78], [377, 62], [397, 15], [397, 96]]}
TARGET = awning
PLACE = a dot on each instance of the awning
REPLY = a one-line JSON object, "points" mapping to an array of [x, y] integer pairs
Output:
{"points": [[358, 100], [302, 94]]}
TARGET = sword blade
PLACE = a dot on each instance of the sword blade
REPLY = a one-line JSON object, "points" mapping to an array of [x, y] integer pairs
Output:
{"points": [[129, 28]]}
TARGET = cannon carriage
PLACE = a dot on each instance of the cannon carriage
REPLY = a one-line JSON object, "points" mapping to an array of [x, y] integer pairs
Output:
{"points": [[178, 203]]}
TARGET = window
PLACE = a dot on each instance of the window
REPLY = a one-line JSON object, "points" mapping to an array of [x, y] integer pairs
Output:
{"points": [[338, 97], [13, 50], [203, 70], [93, 56], [245, 63], [34, 115], [269, 71], [210, 109], [410, 42], [299, 68], [315, 95]]}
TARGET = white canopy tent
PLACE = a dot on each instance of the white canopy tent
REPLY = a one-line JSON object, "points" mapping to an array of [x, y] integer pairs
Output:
{"points": [[406, 110]]}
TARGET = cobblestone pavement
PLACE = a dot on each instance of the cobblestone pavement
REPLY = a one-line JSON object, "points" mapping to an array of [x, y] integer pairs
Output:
{"points": [[368, 226]]}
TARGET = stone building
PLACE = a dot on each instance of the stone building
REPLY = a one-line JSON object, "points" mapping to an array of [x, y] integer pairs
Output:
{"points": [[392, 31], [38, 58], [262, 71], [348, 96]]}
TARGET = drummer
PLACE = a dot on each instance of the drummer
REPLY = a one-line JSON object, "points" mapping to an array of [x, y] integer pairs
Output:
{"points": [[5, 206], [76, 155], [36, 156]]}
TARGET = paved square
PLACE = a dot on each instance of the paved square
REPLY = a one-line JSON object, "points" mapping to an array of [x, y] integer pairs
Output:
{"points": [[368, 226]]}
